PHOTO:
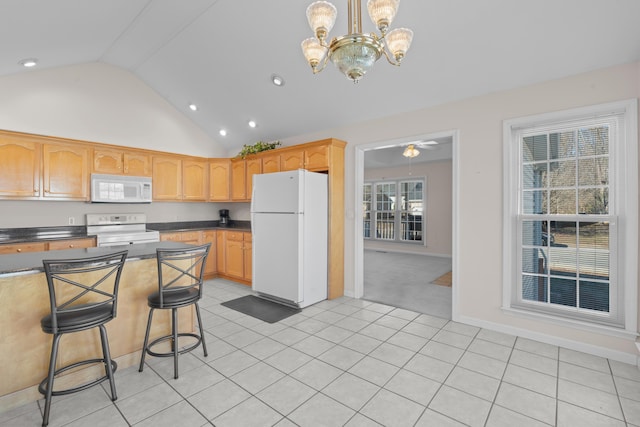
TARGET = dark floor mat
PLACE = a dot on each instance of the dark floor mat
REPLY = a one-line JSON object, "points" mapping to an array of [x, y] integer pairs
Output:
{"points": [[267, 311]]}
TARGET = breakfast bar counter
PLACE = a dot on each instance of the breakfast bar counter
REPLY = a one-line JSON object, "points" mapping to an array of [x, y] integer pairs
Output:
{"points": [[24, 300]]}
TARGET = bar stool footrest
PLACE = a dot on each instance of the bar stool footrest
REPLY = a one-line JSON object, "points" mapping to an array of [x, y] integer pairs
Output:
{"points": [[169, 337], [42, 387]]}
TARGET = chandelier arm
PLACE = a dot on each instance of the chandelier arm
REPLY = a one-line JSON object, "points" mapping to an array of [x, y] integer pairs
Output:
{"points": [[317, 69], [390, 60]]}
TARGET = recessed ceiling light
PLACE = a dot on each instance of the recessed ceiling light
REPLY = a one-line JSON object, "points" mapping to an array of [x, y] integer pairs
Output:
{"points": [[193, 107], [277, 80], [29, 62], [223, 132], [252, 124]]}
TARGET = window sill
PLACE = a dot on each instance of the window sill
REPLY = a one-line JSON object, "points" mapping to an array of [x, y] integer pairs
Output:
{"points": [[572, 323]]}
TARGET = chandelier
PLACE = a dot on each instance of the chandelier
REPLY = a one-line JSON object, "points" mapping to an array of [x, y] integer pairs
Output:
{"points": [[355, 53]]}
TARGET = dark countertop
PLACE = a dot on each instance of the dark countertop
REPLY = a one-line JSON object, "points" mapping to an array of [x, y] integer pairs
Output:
{"points": [[36, 234], [198, 225], [31, 262]]}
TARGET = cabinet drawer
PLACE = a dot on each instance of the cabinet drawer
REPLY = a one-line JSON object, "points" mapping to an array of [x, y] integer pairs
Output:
{"points": [[170, 237], [15, 248], [191, 236], [71, 244], [236, 236]]}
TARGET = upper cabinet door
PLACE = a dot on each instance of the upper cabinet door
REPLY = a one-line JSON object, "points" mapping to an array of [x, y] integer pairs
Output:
{"points": [[292, 160], [238, 179], [219, 175], [65, 171], [254, 167], [107, 161], [19, 168], [137, 164], [316, 158], [167, 178], [195, 175], [270, 163]]}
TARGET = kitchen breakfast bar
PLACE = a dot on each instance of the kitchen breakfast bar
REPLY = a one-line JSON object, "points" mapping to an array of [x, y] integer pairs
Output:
{"points": [[24, 300]]}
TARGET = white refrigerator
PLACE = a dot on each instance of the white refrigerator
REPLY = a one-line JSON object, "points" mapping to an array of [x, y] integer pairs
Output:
{"points": [[289, 215]]}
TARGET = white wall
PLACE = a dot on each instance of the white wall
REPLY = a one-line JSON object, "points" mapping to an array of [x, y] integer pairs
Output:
{"points": [[479, 121], [437, 217], [99, 103]]}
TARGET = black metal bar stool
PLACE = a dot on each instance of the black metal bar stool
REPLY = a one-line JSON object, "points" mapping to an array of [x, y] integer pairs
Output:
{"points": [[180, 274], [83, 294]]}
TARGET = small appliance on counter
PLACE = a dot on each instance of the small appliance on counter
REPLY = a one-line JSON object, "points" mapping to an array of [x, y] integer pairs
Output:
{"points": [[224, 217]]}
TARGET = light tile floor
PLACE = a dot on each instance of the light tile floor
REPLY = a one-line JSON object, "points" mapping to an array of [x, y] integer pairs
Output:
{"points": [[350, 362]]}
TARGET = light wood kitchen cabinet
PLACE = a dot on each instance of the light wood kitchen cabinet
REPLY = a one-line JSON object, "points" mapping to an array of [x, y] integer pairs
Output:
{"points": [[316, 158], [114, 161], [254, 167], [171, 237], [195, 177], [221, 259], [219, 176], [167, 178], [65, 171], [248, 257], [52, 245], [88, 242], [137, 164], [19, 167], [310, 157], [108, 161], [238, 179], [210, 268], [191, 237], [292, 160], [17, 248], [270, 162], [234, 253]]}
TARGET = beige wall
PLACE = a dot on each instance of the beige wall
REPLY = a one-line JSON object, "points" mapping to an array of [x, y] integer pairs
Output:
{"points": [[478, 254], [438, 215]]}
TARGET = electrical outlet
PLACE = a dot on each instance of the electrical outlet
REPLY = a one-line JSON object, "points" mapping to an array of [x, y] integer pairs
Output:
{"points": [[72, 220]]}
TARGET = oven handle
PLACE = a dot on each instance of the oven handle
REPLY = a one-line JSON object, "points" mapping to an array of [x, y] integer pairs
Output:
{"points": [[108, 244]]}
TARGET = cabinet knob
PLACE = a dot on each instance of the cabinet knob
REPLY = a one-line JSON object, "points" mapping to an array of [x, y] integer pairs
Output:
{"points": [[71, 246], [19, 250]]}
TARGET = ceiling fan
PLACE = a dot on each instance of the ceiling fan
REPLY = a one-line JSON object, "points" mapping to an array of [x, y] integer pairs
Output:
{"points": [[411, 149]]}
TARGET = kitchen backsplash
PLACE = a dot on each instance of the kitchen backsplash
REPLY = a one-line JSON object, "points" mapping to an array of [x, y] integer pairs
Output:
{"points": [[19, 214]]}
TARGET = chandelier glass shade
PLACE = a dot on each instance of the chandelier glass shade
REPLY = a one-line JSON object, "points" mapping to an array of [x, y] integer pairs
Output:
{"points": [[355, 53]]}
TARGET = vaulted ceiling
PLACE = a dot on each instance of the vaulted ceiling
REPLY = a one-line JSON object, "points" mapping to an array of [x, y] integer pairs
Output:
{"points": [[220, 54]]}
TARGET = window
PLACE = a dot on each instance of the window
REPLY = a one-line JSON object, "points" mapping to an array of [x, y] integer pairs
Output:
{"points": [[393, 210], [569, 206]]}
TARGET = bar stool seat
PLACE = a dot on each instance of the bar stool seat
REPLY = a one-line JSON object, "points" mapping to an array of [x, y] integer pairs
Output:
{"points": [[180, 273], [83, 294]]}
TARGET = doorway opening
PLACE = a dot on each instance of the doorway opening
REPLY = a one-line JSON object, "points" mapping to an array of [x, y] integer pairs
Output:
{"points": [[406, 210]]}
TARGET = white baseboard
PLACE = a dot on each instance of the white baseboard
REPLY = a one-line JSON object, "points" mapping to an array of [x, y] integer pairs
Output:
{"points": [[632, 359]]}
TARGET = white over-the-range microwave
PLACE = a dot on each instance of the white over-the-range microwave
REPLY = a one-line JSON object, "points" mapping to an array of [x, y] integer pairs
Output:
{"points": [[120, 189]]}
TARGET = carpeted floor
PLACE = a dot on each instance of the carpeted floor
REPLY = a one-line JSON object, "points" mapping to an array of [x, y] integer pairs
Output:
{"points": [[405, 281]]}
